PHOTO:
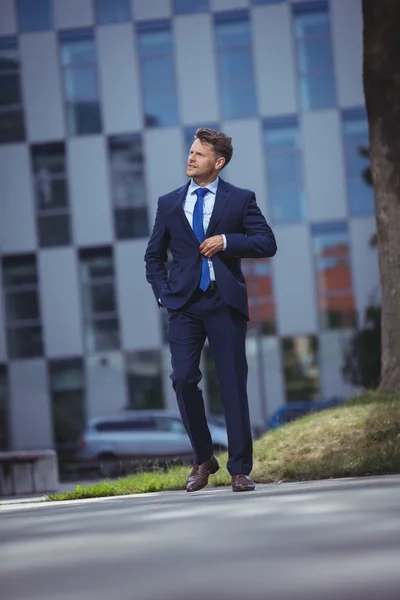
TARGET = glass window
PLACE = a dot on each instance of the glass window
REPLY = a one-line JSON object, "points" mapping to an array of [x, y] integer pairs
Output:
{"points": [[144, 379], [67, 389], [101, 323], [146, 424], [4, 427], [287, 195], [12, 126], [112, 11], [356, 147], [170, 424], [51, 194], [314, 55], [237, 90], [256, 2], [34, 15], [334, 286], [158, 75], [300, 367], [23, 323], [79, 64], [258, 276], [182, 7], [128, 186]]}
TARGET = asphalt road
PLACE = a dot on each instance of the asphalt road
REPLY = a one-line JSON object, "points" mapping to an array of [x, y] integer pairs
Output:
{"points": [[310, 541]]}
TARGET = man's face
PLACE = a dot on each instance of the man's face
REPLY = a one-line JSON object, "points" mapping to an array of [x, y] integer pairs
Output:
{"points": [[202, 162]]}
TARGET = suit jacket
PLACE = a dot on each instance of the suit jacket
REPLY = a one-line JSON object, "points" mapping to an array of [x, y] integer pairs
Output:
{"points": [[236, 215]]}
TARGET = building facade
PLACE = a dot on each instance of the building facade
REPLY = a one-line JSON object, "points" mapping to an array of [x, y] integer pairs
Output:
{"points": [[99, 102]]}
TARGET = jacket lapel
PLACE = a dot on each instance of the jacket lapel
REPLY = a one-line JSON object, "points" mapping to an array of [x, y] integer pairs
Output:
{"points": [[180, 212], [221, 201]]}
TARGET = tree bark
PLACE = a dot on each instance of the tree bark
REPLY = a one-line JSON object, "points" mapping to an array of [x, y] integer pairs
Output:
{"points": [[382, 95]]}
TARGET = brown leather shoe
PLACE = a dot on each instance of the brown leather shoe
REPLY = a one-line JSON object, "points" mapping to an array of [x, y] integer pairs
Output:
{"points": [[198, 477], [242, 483]]}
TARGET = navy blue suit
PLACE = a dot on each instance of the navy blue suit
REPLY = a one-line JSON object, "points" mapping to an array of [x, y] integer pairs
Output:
{"points": [[221, 315]]}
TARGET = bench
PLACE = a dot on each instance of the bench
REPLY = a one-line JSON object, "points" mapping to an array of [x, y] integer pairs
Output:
{"points": [[43, 472]]}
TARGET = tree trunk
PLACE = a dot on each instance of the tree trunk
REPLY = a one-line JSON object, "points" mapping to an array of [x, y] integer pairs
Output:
{"points": [[382, 96]]}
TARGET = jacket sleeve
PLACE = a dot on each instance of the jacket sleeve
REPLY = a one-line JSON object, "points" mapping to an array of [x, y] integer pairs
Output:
{"points": [[257, 241], [156, 255]]}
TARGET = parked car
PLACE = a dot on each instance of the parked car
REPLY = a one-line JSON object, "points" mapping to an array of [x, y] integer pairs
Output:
{"points": [[295, 410], [143, 434]]}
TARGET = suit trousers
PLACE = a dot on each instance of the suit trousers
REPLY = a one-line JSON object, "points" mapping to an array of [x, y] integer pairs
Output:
{"points": [[207, 316]]}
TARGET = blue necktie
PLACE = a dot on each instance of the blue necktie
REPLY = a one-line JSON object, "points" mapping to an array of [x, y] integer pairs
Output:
{"points": [[198, 229]]}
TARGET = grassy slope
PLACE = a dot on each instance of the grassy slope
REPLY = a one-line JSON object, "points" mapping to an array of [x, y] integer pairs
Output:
{"points": [[361, 437]]}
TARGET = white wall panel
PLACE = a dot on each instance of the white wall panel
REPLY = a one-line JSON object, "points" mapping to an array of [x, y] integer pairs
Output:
{"points": [[332, 345], [165, 167], [30, 410], [106, 392], [42, 87], [156, 9], [294, 282], [347, 27], [17, 222], [198, 104], [247, 168], [73, 13], [90, 191], [8, 18], [364, 263], [140, 318], [275, 69], [61, 315], [119, 78], [324, 165]]}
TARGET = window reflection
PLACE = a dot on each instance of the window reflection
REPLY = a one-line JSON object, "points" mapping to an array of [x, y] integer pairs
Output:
{"points": [[334, 286], [192, 6], [67, 389], [4, 407], [78, 58], [256, 2], [12, 126], [314, 55], [287, 194], [300, 367], [34, 15], [356, 144], [236, 77], [51, 191], [144, 380], [101, 323], [112, 11], [260, 293], [128, 186], [23, 320], [158, 76]]}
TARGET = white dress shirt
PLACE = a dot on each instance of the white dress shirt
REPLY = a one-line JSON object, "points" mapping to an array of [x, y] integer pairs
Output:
{"points": [[209, 201]]}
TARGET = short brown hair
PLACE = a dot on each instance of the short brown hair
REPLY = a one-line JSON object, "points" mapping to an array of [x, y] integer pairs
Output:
{"points": [[221, 143]]}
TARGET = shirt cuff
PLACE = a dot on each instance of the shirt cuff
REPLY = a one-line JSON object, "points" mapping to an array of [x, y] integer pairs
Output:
{"points": [[224, 238]]}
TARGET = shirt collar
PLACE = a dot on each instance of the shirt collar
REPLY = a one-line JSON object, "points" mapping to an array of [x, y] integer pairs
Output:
{"points": [[212, 187]]}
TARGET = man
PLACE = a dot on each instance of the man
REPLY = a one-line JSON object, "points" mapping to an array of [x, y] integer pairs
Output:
{"points": [[208, 225]]}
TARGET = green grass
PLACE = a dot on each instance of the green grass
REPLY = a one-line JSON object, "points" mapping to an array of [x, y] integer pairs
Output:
{"points": [[359, 438]]}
